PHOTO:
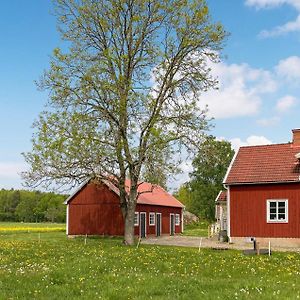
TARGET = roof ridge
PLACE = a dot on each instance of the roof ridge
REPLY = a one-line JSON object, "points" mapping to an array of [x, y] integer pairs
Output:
{"points": [[267, 145]]}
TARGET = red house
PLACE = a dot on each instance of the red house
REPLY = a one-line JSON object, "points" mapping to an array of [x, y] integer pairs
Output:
{"points": [[94, 209], [263, 193]]}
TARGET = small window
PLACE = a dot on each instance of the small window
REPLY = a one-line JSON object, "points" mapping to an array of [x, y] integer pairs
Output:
{"points": [[136, 219], [277, 211], [177, 219], [151, 219]]}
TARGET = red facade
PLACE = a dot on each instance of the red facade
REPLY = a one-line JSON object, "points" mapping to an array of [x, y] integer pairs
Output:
{"points": [[95, 210], [248, 210]]}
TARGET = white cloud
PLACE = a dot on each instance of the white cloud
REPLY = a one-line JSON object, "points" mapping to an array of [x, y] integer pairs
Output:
{"points": [[240, 90], [272, 3], [268, 122], [11, 170], [292, 26], [252, 140], [285, 103], [289, 68]]}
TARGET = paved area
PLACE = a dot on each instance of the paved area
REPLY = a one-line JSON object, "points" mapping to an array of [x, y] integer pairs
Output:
{"points": [[204, 242]]}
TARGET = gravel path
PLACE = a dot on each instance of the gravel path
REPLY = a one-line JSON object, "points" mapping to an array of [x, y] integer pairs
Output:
{"points": [[191, 241]]}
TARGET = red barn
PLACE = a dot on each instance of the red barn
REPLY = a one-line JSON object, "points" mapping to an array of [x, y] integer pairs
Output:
{"points": [[263, 193], [94, 209]]}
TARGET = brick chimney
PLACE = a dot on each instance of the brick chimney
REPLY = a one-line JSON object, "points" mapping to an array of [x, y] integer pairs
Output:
{"points": [[296, 137]]}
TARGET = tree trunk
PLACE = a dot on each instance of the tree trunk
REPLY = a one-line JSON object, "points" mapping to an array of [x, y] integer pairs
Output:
{"points": [[129, 225], [129, 216]]}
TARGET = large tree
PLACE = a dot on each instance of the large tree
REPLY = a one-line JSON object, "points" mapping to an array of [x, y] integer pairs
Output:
{"points": [[209, 168], [124, 90]]}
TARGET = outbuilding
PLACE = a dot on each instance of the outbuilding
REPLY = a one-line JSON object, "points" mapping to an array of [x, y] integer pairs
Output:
{"points": [[263, 193], [94, 209], [221, 210]]}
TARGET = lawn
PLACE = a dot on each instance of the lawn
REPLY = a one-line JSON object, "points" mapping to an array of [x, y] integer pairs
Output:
{"points": [[196, 229], [51, 266]]}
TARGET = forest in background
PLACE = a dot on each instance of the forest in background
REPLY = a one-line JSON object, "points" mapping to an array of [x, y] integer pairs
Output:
{"points": [[31, 206], [206, 179]]}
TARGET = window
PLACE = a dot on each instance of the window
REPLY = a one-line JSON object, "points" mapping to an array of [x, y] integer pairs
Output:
{"points": [[136, 219], [177, 219], [152, 218], [277, 211]]}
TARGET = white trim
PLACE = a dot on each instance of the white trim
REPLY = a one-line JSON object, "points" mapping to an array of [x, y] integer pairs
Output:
{"points": [[138, 219], [159, 223], [230, 166], [177, 218], [218, 196], [152, 214], [286, 220], [257, 183], [67, 220], [171, 223], [143, 213]]}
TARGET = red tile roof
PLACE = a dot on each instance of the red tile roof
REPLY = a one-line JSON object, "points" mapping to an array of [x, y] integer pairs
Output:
{"points": [[156, 195], [265, 164], [222, 196], [149, 194]]}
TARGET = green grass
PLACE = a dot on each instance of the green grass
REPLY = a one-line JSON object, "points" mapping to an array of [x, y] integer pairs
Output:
{"points": [[196, 229], [10, 227], [55, 267]]}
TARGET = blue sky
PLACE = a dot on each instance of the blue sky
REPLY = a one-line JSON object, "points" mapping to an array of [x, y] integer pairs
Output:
{"points": [[258, 100]]}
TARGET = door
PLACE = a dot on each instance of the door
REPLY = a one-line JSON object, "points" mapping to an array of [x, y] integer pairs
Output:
{"points": [[172, 224], [158, 224], [142, 224]]}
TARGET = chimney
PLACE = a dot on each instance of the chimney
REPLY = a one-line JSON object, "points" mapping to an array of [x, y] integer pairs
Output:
{"points": [[296, 137]]}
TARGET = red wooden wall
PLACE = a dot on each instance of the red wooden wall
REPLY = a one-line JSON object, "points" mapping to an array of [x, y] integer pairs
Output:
{"points": [[95, 210], [248, 210], [165, 218]]}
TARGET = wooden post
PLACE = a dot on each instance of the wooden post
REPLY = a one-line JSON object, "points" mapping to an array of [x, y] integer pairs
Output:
{"points": [[269, 248], [257, 248], [200, 245], [85, 239], [137, 246]]}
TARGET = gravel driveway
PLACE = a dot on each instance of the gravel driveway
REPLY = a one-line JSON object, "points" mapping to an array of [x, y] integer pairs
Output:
{"points": [[191, 241]]}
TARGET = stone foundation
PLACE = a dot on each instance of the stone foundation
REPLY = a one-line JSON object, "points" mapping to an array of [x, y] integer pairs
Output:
{"points": [[264, 242]]}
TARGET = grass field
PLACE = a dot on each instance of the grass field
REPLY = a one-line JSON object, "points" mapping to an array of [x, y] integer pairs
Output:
{"points": [[9, 227], [48, 265], [196, 229]]}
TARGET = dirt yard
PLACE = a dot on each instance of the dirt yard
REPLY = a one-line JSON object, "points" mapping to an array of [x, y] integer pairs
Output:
{"points": [[204, 242]]}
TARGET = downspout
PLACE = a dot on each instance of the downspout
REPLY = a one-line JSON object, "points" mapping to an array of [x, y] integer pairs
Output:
{"points": [[227, 187]]}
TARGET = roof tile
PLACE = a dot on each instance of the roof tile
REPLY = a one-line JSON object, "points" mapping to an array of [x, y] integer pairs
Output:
{"points": [[265, 164]]}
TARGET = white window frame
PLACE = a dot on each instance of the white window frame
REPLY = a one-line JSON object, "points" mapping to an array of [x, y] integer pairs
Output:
{"points": [[152, 215], [177, 219], [136, 219], [286, 211]]}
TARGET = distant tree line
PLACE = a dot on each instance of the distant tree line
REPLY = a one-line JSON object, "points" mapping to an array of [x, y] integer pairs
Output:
{"points": [[206, 179], [31, 206]]}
